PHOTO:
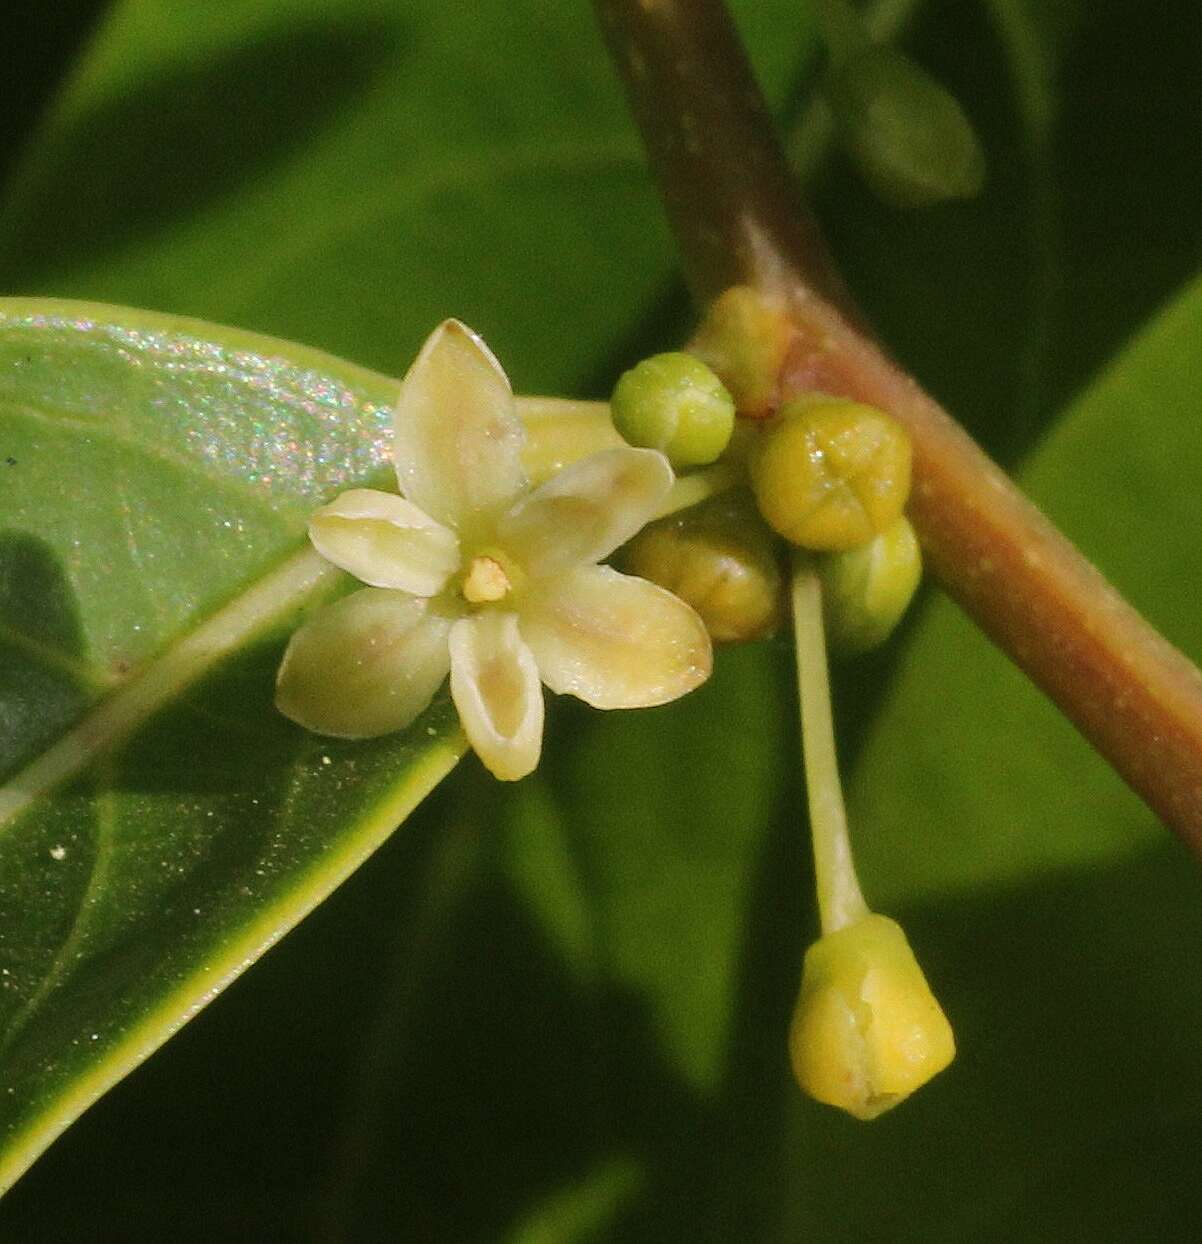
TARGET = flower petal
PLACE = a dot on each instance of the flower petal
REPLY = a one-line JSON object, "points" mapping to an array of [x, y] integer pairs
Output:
{"points": [[458, 440], [586, 511], [385, 541], [495, 686], [615, 641], [363, 666]]}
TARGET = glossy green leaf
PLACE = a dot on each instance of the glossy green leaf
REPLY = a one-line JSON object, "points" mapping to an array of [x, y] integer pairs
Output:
{"points": [[363, 194], [160, 823]]}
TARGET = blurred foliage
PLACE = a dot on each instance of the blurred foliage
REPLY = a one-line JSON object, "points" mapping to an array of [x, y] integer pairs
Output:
{"points": [[559, 1012]]}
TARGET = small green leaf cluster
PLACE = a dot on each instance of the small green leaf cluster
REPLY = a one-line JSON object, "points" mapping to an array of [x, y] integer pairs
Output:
{"points": [[905, 132]]}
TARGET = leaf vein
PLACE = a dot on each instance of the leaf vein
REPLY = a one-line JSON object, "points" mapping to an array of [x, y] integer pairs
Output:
{"points": [[97, 879], [116, 717], [92, 677]]}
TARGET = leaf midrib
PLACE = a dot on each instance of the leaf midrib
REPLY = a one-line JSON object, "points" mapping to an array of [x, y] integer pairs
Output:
{"points": [[192, 654]]}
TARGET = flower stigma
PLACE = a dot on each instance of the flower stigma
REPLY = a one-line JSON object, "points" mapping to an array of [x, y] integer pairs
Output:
{"points": [[486, 581]]}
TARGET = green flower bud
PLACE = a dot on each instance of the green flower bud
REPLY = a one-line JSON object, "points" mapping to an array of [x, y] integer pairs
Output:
{"points": [[907, 134], [718, 558], [674, 403], [867, 1030], [830, 474], [866, 590], [745, 338]]}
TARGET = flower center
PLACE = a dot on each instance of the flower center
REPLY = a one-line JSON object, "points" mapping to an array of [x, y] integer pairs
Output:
{"points": [[485, 581]]}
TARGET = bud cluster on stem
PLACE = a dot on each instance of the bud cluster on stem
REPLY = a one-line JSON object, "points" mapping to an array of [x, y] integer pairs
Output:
{"points": [[739, 221]]}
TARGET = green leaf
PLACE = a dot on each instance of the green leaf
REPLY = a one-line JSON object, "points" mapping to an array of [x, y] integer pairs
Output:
{"points": [[390, 166], [160, 823], [360, 211]]}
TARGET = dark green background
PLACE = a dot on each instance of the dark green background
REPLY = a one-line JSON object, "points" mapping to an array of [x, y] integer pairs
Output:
{"points": [[558, 1012]]}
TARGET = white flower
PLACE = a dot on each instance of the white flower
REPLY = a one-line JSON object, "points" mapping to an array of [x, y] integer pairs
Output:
{"points": [[472, 572]]}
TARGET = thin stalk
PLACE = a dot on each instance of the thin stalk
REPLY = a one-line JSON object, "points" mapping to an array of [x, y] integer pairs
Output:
{"points": [[735, 208], [840, 901], [699, 486]]}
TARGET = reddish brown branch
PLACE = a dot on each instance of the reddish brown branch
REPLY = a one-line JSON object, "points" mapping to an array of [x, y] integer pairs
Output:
{"points": [[734, 206]]}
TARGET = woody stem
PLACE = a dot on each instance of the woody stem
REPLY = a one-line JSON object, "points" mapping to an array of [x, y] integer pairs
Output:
{"points": [[738, 219]]}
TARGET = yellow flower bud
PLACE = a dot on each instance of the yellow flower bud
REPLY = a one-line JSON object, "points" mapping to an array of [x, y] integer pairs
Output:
{"points": [[831, 473], [867, 1030], [744, 339], [718, 558], [866, 590]]}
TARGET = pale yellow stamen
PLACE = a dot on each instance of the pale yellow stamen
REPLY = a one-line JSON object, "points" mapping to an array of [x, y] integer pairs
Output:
{"points": [[485, 582]]}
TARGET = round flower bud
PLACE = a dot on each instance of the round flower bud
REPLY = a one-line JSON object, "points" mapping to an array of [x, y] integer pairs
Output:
{"points": [[674, 403], [831, 474], [718, 558], [867, 1030], [907, 134], [745, 338], [866, 590]]}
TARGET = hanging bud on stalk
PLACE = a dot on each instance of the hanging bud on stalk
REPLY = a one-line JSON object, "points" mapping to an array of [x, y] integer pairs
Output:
{"points": [[867, 1030]]}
